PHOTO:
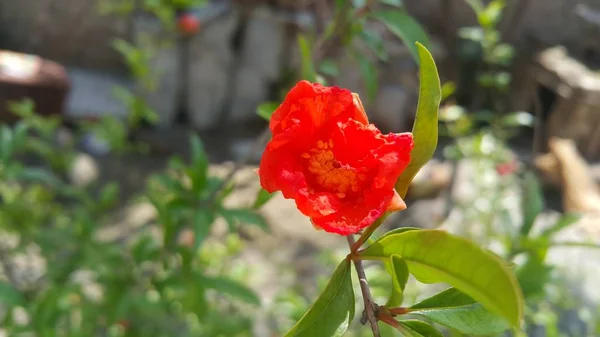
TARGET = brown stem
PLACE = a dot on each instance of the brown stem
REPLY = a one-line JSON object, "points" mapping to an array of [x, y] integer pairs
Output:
{"points": [[370, 312]]}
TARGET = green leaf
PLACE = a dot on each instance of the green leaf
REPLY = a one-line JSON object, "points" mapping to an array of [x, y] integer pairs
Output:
{"points": [[532, 202], [199, 169], [533, 276], [109, 194], [262, 197], [399, 272], [406, 29], [230, 287], [450, 297], [375, 43], [419, 328], [425, 129], [10, 296], [458, 311], [448, 89], [437, 256], [369, 73], [329, 67], [266, 109], [202, 225], [469, 319], [333, 311], [308, 68], [235, 217]]}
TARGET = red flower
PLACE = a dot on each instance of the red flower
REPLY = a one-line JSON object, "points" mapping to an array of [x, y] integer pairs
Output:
{"points": [[325, 155]]}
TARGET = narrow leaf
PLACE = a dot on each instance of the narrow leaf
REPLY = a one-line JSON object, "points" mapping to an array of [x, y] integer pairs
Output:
{"points": [[399, 271], [425, 129], [199, 169], [369, 73], [266, 109], [239, 216], [420, 328], [436, 256], [565, 221], [202, 225], [374, 42], [308, 68], [232, 288], [262, 197], [333, 311], [532, 202], [407, 29]]}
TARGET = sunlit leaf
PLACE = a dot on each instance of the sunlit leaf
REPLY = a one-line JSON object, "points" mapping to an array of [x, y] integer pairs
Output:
{"points": [[425, 129], [407, 29], [436, 256], [262, 197], [399, 272], [458, 311], [333, 311], [415, 328], [532, 202], [266, 109]]}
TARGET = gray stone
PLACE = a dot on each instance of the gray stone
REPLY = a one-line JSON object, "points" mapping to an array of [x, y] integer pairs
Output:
{"points": [[92, 93], [84, 170]]}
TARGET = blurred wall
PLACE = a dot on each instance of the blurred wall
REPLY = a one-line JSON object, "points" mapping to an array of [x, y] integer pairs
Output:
{"points": [[68, 31]]}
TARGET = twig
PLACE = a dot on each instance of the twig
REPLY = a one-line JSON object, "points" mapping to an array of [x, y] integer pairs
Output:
{"points": [[370, 313]]}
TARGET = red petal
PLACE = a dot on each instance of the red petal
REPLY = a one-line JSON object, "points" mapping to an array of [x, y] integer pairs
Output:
{"points": [[279, 170], [308, 107]]}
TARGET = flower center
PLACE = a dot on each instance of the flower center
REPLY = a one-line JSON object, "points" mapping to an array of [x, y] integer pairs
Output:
{"points": [[329, 173]]}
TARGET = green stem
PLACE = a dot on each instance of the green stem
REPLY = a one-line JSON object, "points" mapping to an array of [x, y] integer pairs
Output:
{"points": [[367, 233]]}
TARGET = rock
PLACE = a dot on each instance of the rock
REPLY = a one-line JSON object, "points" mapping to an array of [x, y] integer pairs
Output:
{"points": [[84, 170], [92, 93]]}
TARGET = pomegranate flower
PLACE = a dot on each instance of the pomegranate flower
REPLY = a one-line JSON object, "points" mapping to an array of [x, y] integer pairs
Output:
{"points": [[324, 154]]}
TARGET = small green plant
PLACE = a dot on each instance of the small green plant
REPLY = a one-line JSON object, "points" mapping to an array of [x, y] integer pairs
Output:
{"points": [[87, 285]]}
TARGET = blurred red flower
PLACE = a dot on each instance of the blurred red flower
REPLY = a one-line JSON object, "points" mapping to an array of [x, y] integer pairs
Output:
{"points": [[325, 155]]}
